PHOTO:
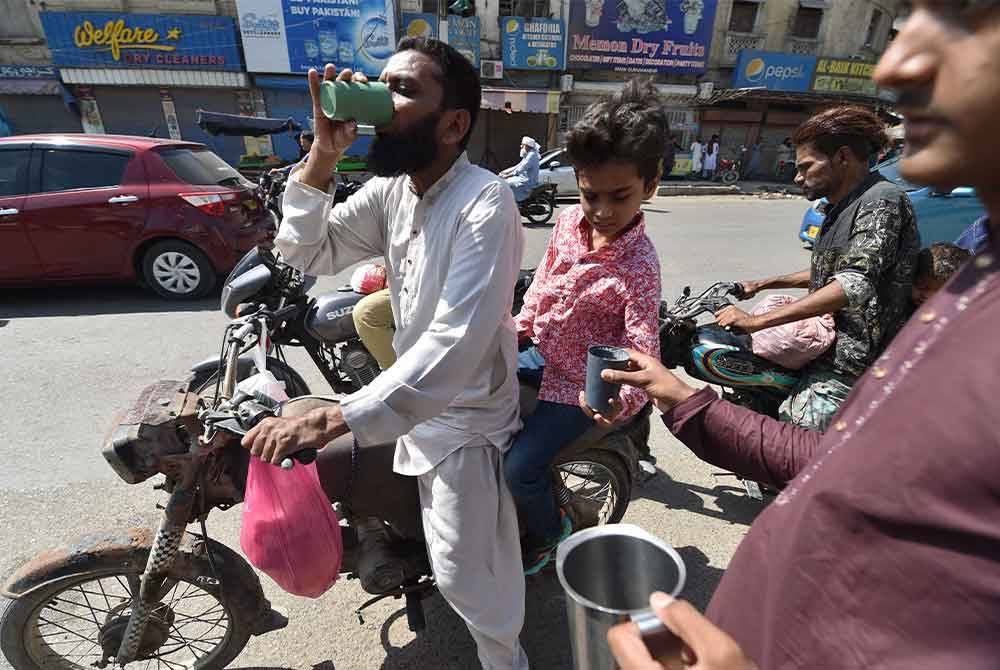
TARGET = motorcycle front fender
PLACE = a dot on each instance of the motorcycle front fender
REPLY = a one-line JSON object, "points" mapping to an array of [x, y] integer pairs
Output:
{"points": [[110, 552], [295, 384]]}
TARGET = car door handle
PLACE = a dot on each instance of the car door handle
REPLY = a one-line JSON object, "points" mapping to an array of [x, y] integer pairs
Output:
{"points": [[8, 212], [123, 199]]}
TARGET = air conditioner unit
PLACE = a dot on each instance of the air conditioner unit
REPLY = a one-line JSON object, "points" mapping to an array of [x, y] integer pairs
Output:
{"points": [[491, 69], [566, 83]]}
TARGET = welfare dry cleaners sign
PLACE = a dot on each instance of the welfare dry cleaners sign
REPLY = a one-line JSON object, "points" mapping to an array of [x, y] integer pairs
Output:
{"points": [[79, 39]]}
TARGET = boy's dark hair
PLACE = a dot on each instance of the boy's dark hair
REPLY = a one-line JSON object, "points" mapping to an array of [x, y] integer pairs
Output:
{"points": [[856, 128], [940, 261], [630, 126], [458, 79]]}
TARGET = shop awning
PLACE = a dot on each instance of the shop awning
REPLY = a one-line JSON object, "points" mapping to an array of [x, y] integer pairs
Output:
{"points": [[671, 94], [150, 77], [521, 100], [216, 123], [885, 100]]}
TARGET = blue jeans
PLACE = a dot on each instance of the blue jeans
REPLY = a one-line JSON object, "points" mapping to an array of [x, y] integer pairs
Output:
{"points": [[527, 466]]}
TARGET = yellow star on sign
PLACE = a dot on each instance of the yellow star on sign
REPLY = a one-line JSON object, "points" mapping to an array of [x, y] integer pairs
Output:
{"points": [[174, 34]]}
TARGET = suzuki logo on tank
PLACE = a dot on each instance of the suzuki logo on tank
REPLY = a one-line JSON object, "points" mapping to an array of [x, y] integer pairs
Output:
{"points": [[291, 36], [79, 39]]}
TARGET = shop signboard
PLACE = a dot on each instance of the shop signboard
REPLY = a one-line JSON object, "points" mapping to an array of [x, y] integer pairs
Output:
{"points": [[850, 77], [28, 72], [641, 35], [291, 36], [162, 41], [774, 71], [463, 34], [533, 44], [418, 24]]}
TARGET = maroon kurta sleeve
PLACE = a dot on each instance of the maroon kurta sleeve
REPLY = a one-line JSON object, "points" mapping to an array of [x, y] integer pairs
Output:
{"points": [[740, 440]]}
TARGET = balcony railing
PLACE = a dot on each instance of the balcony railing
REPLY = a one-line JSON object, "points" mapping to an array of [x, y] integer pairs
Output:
{"points": [[737, 42], [801, 45]]}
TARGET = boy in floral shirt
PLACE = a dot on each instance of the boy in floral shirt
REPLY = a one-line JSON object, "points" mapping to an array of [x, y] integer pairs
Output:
{"points": [[599, 283]]}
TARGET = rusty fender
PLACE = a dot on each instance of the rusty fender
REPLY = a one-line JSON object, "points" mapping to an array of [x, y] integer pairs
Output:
{"points": [[102, 553]]}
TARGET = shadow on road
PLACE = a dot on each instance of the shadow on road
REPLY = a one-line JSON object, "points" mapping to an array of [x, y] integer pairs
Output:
{"points": [[733, 503], [94, 299], [446, 643], [702, 578]]}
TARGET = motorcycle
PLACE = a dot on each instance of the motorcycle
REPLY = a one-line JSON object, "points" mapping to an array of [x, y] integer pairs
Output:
{"points": [[182, 598], [722, 357], [729, 171], [540, 204], [271, 188]]}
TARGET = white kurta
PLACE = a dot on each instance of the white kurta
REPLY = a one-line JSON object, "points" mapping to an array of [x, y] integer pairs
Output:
{"points": [[697, 148], [453, 257]]}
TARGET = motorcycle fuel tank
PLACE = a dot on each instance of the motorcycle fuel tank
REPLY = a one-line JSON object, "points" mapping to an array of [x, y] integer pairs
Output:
{"points": [[330, 316], [724, 358]]}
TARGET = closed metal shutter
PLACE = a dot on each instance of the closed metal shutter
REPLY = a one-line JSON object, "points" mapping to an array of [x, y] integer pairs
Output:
{"points": [[28, 114]]}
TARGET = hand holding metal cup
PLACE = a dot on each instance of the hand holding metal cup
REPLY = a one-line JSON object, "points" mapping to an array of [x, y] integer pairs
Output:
{"points": [[608, 574]]}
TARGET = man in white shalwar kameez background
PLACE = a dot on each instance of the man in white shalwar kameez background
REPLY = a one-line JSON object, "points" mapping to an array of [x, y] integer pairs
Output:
{"points": [[450, 236]]}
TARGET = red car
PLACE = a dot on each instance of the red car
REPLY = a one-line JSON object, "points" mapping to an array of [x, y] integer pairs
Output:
{"points": [[79, 207]]}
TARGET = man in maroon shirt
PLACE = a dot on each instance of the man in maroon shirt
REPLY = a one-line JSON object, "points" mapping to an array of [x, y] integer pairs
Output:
{"points": [[883, 549]]}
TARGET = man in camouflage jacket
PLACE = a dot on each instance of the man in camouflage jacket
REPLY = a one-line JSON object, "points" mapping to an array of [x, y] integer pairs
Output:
{"points": [[863, 261]]}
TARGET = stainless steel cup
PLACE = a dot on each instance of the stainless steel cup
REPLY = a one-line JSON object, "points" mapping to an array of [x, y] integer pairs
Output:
{"points": [[608, 573]]}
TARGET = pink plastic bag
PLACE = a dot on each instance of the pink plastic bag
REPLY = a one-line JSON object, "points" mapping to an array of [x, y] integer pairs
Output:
{"points": [[793, 344], [290, 531]]}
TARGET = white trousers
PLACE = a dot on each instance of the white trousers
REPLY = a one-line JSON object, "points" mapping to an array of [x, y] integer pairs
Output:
{"points": [[470, 524]]}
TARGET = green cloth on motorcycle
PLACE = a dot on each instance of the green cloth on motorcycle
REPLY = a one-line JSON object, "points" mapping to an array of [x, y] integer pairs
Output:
{"points": [[816, 398]]}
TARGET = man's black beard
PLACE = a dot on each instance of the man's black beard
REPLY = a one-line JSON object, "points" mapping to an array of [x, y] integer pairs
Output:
{"points": [[405, 151]]}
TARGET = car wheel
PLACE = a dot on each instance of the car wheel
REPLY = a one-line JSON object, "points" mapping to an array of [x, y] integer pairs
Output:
{"points": [[177, 271]]}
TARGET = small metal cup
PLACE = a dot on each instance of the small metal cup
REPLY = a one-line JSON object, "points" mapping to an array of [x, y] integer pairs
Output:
{"points": [[608, 573], [599, 393]]}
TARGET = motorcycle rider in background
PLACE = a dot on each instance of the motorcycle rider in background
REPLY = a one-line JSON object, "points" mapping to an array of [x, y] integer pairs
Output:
{"points": [[862, 263], [523, 177], [451, 238]]}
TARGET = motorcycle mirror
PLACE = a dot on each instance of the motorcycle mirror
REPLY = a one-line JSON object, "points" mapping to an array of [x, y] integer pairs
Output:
{"points": [[687, 292]]}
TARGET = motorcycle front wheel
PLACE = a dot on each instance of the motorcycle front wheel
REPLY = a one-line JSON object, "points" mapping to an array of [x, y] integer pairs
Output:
{"points": [[730, 177], [77, 624], [539, 211]]}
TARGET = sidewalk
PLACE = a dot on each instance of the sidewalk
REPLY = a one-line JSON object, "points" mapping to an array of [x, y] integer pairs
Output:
{"points": [[684, 187]]}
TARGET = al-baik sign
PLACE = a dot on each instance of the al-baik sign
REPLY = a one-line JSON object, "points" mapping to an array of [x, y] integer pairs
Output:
{"points": [[291, 36], [640, 35]]}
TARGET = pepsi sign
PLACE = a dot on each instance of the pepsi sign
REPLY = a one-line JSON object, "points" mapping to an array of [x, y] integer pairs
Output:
{"points": [[774, 71]]}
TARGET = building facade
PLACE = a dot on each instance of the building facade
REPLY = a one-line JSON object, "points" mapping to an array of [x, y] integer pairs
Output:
{"points": [[747, 70]]}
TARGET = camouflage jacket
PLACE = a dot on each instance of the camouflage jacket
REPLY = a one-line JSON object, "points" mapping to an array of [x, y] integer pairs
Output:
{"points": [[869, 243]]}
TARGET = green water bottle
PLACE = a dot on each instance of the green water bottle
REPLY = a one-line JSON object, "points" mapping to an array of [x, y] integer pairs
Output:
{"points": [[368, 104]]}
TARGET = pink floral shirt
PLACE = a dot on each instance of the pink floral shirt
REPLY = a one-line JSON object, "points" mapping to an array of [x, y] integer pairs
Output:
{"points": [[580, 298]]}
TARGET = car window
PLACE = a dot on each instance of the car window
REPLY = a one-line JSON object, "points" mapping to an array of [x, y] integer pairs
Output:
{"points": [[201, 167], [14, 171], [67, 170]]}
